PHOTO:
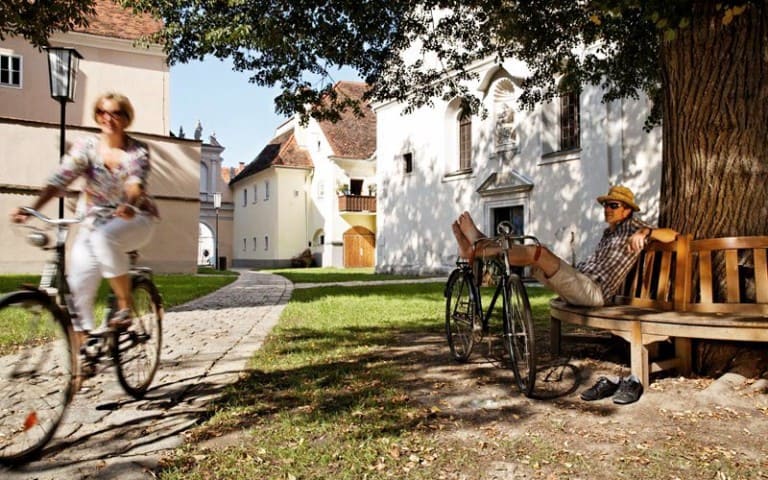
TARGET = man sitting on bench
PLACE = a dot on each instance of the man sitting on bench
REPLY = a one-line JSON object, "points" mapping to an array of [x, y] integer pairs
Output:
{"points": [[595, 280]]}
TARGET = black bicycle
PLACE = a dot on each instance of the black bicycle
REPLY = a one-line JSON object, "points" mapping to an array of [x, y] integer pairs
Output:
{"points": [[39, 367], [466, 323]]}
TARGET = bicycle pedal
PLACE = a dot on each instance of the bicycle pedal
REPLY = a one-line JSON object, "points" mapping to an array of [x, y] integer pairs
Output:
{"points": [[88, 370]]}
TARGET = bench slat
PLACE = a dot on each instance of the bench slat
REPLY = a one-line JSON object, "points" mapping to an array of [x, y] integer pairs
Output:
{"points": [[761, 274], [732, 275], [727, 243], [664, 274], [705, 277]]}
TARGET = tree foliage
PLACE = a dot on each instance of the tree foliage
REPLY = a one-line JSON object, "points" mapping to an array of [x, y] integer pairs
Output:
{"points": [[36, 20], [418, 50], [409, 50]]}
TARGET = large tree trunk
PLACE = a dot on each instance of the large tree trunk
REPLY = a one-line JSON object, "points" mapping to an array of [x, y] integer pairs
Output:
{"points": [[715, 131]]}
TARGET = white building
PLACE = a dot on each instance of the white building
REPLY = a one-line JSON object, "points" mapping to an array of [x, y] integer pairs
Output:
{"points": [[312, 187], [540, 169]]}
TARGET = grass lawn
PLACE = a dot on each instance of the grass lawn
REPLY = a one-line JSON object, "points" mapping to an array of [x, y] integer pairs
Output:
{"points": [[325, 397]]}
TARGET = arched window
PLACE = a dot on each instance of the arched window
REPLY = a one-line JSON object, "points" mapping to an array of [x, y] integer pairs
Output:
{"points": [[561, 118], [570, 118], [458, 139], [465, 142]]}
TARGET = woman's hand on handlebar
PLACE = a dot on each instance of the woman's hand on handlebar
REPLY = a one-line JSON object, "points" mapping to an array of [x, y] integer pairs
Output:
{"points": [[125, 211], [19, 216]]}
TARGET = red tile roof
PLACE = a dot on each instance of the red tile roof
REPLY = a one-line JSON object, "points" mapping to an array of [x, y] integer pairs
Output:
{"points": [[112, 20], [227, 173], [352, 136], [281, 150]]}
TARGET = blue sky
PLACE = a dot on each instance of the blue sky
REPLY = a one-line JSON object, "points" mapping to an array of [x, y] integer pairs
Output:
{"points": [[241, 114]]}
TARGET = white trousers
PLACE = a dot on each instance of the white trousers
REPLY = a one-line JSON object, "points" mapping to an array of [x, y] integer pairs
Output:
{"points": [[100, 251]]}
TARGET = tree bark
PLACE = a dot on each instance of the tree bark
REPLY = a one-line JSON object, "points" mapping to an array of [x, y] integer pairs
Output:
{"points": [[715, 134], [715, 125]]}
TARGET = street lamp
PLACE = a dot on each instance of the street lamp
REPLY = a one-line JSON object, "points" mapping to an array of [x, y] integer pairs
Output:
{"points": [[217, 206], [62, 70]]}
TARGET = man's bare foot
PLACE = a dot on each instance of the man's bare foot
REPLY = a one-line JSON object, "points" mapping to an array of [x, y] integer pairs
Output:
{"points": [[465, 246], [469, 229]]}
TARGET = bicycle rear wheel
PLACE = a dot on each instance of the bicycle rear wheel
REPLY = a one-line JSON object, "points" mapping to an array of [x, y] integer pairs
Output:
{"points": [[518, 335], [462, 314], [36, 373], [136, 350]]}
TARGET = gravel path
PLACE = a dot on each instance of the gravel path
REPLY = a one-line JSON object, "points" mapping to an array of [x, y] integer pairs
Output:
{"points": [[206, 346]]}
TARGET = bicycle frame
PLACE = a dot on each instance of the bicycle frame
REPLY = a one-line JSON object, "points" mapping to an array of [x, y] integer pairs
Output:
{"points": [[504, 241]]}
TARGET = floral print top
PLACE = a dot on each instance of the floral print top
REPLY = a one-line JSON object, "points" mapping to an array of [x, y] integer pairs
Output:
{"points": [[104, 187]]}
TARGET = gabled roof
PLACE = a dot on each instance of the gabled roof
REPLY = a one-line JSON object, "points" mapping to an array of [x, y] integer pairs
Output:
{"points": [[282, 150], [352, 136], [112, 20]]}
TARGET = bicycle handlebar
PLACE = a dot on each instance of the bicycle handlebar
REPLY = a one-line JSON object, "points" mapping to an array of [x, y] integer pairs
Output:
{"points": [[101, 211], [45, 219]]}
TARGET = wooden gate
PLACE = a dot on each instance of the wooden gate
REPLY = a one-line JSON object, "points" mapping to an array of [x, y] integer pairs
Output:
{"points": [[359, 244]]}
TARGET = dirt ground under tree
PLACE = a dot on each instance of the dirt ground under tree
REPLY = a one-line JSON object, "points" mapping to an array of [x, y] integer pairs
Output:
{"points": [[681, 428]]}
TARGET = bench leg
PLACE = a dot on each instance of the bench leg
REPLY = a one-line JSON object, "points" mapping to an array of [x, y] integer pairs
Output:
{"points": [[683, 355], [554, 335], [639, 356]]}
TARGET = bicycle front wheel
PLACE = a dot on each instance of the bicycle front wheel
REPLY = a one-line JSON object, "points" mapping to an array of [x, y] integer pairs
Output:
{"points": [[136, 350], [518, 334], [462, 314], [36, 373]]}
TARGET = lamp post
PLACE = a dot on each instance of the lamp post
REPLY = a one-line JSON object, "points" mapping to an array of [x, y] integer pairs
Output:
{"points": [[217, 206], [63, 64]]}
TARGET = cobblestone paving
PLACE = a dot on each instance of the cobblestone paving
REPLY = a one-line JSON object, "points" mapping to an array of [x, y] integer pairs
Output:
{"points": [[206, 345]]}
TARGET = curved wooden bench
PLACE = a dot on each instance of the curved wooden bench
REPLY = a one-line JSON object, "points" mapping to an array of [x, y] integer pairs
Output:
{"points": [[670, 295]]}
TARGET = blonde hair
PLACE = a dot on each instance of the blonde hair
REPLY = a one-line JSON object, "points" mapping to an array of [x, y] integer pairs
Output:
{"points": [[125, 105]]}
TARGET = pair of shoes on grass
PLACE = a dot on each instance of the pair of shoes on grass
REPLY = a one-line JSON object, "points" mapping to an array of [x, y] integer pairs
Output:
{"points": [[624, 391]]}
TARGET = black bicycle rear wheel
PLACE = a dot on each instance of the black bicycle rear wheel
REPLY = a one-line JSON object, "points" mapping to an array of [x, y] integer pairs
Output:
{"points": [[36, 374], [462, 314], [136, 350], [518, 335]]}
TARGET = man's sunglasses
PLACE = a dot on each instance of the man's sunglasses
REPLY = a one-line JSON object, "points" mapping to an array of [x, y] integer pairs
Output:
{"points": [[612, 205]]}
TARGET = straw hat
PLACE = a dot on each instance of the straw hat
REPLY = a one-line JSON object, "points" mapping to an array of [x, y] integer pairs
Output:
{"points": [[621, 194]]}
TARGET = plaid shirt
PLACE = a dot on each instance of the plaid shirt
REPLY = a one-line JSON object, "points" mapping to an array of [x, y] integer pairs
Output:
{"points": [[612, 260]]}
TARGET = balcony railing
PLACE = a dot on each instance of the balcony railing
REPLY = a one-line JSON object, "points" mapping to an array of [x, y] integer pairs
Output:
{"points": [[357, 203]]}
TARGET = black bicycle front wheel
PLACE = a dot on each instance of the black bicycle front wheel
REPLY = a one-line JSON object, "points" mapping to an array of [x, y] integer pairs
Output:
{"points": [[519, 340], [37, 369], [462, 314], [136, 350]]}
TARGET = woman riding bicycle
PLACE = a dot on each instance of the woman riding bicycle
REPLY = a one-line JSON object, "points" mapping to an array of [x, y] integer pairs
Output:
{"points": [[115, 167]]}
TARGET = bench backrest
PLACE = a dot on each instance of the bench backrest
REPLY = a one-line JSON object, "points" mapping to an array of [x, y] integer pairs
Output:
{"points": [[746, 275], [658, 279]]}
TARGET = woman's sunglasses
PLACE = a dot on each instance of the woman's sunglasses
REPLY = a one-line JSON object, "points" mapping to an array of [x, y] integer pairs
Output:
{"points": [[114, 114], [612, 205]]}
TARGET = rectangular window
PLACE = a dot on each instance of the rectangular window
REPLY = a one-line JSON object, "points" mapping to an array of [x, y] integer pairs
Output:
{"points": [[10, 70], [244, 244], [266, 190], [407, 162], [266, 242], [465, 143], [245, 197], [255, 196], [254, 243], [569, 121]]}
